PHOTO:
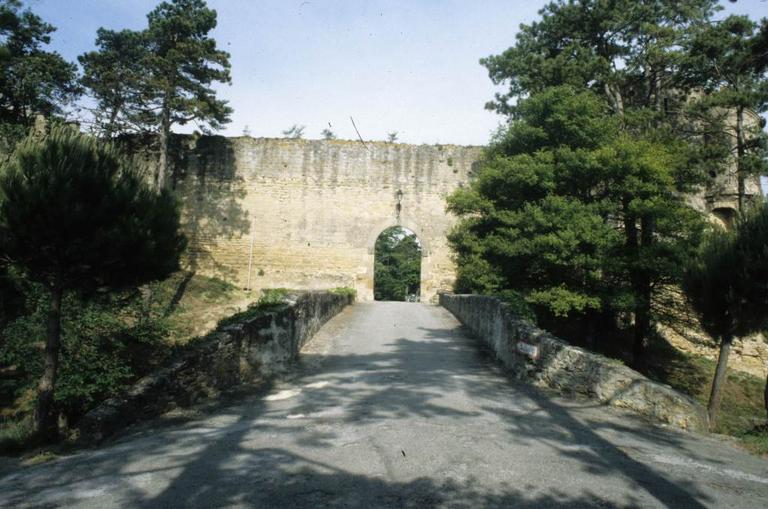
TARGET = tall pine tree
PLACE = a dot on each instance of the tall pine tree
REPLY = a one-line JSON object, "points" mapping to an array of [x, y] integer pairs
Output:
{"points": [[162, 76]]}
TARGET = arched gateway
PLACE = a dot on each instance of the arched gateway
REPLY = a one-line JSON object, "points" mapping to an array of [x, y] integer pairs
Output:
{"points": [[306, 214]]}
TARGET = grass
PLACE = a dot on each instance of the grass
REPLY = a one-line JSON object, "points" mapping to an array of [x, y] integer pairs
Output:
{"points": [[345, 290], [16, 435], [190, 304], [271, 299], [195, 304], [742, 412]]}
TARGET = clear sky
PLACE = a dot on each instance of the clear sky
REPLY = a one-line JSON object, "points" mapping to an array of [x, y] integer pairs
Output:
{"points": [[409, 66]]}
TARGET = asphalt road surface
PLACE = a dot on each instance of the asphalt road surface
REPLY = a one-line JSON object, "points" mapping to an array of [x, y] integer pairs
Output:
{"points": [[392, 405]]}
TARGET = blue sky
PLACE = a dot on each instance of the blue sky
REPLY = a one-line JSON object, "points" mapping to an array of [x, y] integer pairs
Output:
{"points": [[406, 66]]}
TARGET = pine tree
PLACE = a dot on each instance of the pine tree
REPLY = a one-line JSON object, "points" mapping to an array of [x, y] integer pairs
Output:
{"points": [[76, 217], [723, 61], [170, 69], [728, 286], [631, 54], [550, 213], [32, 80], [113, 74]]}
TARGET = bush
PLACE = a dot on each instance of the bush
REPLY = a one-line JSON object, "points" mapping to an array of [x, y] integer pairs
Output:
{"points": [[271, 297], [518, 306], [345, 290], [105, 348]]}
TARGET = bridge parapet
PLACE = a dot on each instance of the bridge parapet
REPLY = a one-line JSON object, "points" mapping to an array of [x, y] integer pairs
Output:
{"points": [[537, 356]]}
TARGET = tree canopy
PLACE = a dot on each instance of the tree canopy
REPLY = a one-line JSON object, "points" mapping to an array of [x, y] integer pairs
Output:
{"points": [[161, 76], [76, 217], [32, 79], [397, 268], [578, 203]]}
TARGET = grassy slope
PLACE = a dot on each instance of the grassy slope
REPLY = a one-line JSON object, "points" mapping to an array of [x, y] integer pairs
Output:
{"points": [[192, 304], [742, 414], [195, 305]]}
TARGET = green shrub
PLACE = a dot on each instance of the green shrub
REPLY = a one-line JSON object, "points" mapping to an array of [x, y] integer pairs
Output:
{"points": [[104, 348], [345, 290], [273, 297], [518, 306], [16, 435]]}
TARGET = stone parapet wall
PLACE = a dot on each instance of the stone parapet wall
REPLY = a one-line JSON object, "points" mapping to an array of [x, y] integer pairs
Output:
{"points": [[535, 355], [242, 352]]}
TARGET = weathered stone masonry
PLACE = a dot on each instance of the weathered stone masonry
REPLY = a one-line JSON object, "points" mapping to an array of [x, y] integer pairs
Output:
{"points": [[269, 213], [305, 214]]}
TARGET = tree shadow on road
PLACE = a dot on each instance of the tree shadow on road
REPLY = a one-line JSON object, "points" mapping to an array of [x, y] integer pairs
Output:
{"points": [[264, 452]]}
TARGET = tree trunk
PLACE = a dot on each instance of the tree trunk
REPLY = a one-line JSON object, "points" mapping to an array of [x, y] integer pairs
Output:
{"points": [[631, 244], [110, 129], [740, 149], [614, 97], [45, 415], [765, 399], [641, 283], [718, 381], [161, 177]]}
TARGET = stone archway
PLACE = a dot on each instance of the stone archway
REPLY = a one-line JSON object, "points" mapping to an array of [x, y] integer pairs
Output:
{"points": [[397, 274], [314, 209], [724, 216], [408, 222]]}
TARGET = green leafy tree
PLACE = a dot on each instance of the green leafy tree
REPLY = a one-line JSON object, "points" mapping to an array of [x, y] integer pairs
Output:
{"points": [[724, 62], [397, 269], [32, 80], [170, 69], [113, 74], [327, 134], [728, 286], [553, 212], [116, 232]]}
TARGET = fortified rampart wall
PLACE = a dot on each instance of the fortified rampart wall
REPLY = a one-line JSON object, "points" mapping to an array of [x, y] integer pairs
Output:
{"points": [[269, 213], [305, 214]]}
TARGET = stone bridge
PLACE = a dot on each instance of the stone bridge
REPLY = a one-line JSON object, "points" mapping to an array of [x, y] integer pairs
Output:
{"points": [[392, 405], [305, 214]]}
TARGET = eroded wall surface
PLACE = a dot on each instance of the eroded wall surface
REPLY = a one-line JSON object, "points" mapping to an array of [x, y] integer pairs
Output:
{"points": [[268, 213]]}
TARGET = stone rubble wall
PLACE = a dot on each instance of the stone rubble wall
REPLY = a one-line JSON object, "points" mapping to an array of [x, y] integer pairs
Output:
{"points": [[294, 213], [234, 354], [535, 355]]}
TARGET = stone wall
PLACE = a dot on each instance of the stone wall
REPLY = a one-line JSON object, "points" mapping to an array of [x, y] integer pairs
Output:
{"points": [[268, 213], [242, 352], [535, 355]]}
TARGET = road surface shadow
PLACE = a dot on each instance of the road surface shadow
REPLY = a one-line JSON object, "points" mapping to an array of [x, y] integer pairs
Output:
{"points": [[223, 460]]}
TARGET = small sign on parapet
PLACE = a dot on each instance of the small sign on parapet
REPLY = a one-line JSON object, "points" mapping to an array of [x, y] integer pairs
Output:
{"points": [[532, 351]]}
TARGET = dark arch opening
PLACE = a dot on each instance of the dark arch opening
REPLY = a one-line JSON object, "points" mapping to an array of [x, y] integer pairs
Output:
{"points": [[397, 265], [725, 216]]}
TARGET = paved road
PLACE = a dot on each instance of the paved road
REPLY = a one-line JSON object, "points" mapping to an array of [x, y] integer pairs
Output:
{"points": [[393, 406]]}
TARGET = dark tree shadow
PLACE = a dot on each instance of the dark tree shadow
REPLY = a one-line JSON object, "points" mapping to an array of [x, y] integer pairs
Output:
{"points": [[275, 453], [211, 192]]}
